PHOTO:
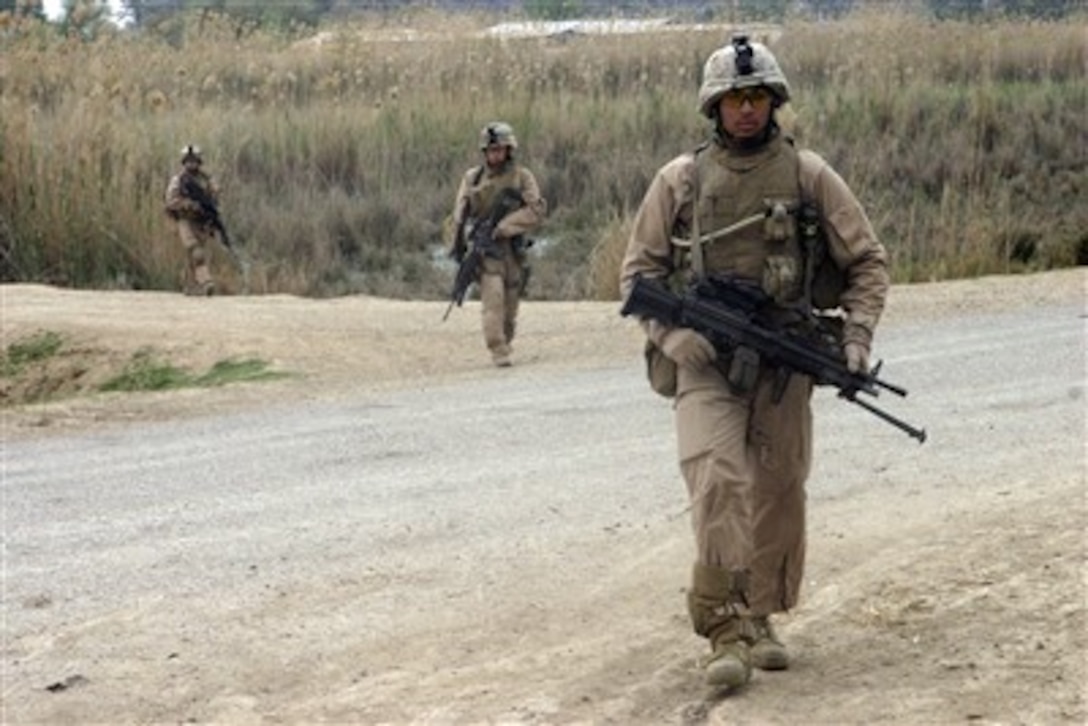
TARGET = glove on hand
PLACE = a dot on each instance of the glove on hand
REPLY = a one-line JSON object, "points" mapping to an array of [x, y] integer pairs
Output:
{"points": [[857, 357], [687, 348]]}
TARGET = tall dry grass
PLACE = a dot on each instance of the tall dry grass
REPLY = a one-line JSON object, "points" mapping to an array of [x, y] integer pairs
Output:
{"points": [[339, 154]]}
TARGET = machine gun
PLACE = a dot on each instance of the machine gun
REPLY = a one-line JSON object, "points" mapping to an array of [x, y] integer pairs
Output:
{"points": [[736, 317], [480, 243], [209, 214]]}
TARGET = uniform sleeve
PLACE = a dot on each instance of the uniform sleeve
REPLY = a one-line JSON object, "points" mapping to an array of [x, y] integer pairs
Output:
{"points": [[174, 202], [852, 244], [528, 217], [213, 189], [666, 206], [461, 198]]}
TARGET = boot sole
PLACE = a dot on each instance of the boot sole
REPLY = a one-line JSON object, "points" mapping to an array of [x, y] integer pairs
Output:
{"points": [[772, 662], [720, 674]]}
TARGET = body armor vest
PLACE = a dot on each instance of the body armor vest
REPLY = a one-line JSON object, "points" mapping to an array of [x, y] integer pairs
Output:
{"points": [[733, 187], [486, 189]]}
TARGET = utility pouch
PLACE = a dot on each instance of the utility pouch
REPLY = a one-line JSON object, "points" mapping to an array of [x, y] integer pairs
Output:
{"points": [[824, 281], [660, 370], [743, 371], [521, 245]]}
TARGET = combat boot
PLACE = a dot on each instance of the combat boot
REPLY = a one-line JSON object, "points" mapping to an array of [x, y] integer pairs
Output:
{"points": [[730, 664], [713, 603], [768, 652], [501, 357]]}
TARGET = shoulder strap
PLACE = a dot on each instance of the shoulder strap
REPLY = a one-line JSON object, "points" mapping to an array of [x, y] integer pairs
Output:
{"points": [[697, 263]]}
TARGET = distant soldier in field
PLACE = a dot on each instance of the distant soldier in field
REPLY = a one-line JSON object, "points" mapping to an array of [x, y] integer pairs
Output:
{"points": [[484, 193], [748, 205], [194, 227]]}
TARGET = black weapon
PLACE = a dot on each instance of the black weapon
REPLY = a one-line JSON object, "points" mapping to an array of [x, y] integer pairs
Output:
{"points": [[481, 243], [209, 215], [734, 315]]}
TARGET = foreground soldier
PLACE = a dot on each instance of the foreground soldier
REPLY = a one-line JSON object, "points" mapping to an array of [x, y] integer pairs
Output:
{"points": [[193, 227], [745, 436], [504, 265]]}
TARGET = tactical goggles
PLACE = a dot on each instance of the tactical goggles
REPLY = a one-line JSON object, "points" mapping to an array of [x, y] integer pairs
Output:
{"points": [[758, 97]]}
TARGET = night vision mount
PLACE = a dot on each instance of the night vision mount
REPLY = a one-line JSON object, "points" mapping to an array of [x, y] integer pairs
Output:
{"points": [[744, 54]]}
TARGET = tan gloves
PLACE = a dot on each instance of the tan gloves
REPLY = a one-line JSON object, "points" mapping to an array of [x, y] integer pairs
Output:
{"points": [[687, 348], [856, 340], [857, 357]]}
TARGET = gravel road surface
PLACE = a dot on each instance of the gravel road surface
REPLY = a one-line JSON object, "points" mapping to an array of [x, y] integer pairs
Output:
{"points": [[513, 548]]}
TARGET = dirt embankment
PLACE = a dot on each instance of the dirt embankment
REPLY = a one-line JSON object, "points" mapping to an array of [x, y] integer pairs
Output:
{"points": [[345, 343]]}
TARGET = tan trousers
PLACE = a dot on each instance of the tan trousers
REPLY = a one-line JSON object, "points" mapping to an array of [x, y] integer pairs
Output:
{"points": [[500, 283], [196, 241], [745, 461]]}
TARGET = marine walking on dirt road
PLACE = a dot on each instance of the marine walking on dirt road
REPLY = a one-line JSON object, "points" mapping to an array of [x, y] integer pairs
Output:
{"points": [[194, 228], [750, 208], [498, 203]]}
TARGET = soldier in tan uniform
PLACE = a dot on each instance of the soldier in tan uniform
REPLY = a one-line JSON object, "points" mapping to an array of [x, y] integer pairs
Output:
{"points": [[743, 456], [503, 269], [195, 234]]}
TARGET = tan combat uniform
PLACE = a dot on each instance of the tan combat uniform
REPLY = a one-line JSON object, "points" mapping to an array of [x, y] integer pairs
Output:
{"points": [[745, 459], [196, 236], [501, 276]]}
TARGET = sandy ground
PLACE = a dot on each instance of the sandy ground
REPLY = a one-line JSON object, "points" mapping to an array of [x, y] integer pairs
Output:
{"points": [[963, 602]]}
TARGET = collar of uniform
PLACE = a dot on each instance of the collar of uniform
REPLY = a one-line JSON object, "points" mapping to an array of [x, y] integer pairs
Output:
{"points": [[753, 147], [749, 159]]}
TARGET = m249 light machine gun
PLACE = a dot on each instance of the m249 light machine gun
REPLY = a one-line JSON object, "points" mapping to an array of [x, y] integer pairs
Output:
{"points": [[732, 315]]}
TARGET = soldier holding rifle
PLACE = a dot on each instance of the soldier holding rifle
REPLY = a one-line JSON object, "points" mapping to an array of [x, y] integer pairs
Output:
{"points": [[496, 229], [750, 206]]}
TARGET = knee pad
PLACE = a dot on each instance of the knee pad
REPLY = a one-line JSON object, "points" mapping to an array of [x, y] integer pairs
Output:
{"points": [[197, 255]]}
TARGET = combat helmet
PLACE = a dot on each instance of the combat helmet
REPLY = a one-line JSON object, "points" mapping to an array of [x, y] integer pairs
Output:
{"points": [[191, 152], [498, 133], [741, 64]]}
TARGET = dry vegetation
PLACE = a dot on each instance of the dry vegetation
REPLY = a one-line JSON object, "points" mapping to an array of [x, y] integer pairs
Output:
{"points": [[338, 154]]}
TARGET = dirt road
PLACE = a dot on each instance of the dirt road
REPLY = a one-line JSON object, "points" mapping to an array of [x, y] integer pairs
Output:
{"points": [[401, 534]]}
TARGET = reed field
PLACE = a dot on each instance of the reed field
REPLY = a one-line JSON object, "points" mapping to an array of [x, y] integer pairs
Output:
{"points": [[339, 153]]}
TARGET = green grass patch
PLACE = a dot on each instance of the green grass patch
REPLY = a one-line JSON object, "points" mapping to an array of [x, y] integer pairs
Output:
{"points": [[233, 371], [40, 346], [146, 373]]}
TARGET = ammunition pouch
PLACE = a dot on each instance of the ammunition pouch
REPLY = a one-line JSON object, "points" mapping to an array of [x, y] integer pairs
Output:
{"points": [[828, 284], [831, 329], [520, 245], [823, 278], [486, 244], [742, 370]]}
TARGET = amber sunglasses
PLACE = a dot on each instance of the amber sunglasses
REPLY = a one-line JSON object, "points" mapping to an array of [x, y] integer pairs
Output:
{"points": [[758, 97]]}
